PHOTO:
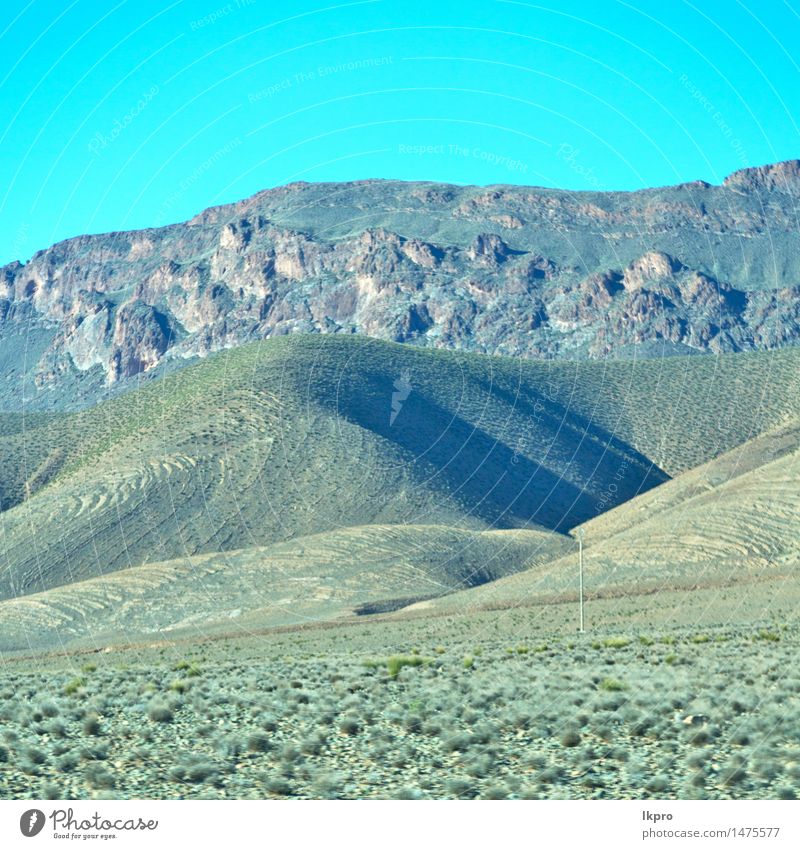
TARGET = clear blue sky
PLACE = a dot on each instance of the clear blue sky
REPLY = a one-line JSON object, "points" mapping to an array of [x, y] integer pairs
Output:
{"points": [[131, 113]]}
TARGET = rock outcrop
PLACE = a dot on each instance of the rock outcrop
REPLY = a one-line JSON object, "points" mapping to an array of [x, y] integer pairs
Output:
{"points": [[781, 177]]}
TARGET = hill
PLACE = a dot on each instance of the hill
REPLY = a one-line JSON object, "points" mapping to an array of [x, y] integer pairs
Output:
{"points": [[362, 570], [298, 436], [735, 519], [510, 270], [305, 435]]}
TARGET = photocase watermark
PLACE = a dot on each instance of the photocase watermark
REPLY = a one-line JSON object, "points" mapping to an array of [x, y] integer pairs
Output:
{"points": [[571, 155], [32, 822], [218, 14], [100, 141], [609, 496], [318, 73], [550, 394], [65, 824], [206, 165], [20, 240], [402, 389], [717, 117], [465, 151]]}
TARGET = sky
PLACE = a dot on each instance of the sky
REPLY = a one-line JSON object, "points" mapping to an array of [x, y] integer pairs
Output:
{"points": [[121, 114]]}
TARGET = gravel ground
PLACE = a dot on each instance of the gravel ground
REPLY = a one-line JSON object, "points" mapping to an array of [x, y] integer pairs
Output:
{"points": [[411, 710]]}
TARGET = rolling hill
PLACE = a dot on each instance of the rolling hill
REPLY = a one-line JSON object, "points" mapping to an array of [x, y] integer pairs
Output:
{"points": [[336, 439], [361, 570], [299, 436]]}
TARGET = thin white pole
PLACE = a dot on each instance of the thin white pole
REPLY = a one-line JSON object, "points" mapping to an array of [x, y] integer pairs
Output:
{"points": [[580, 572]]}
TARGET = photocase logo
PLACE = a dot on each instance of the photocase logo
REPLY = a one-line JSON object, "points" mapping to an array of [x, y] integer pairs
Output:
{"points": [[402, 389], [65, 824], [31, 822]]}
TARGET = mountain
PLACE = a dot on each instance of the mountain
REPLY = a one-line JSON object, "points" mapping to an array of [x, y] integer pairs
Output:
{"points": [[331, 474], [523, 271]]}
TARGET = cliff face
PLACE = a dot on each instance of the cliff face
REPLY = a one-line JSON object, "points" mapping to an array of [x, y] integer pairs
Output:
{"points": [[504, 269]]}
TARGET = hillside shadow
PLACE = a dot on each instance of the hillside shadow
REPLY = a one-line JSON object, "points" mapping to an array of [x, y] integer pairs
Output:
{"points": [[502, 486], [539, 406]]}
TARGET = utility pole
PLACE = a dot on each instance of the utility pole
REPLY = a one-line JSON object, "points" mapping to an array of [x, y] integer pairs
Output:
{"points": [[580, 573]]}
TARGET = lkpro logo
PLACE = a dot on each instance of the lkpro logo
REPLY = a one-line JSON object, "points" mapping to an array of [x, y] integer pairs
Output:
{"points": [[31, 822]]}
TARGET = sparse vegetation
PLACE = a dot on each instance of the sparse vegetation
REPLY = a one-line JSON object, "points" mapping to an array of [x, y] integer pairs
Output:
{"points": [[73, 686], [612, 643], [190, 669], [769, 635], [302, 715], [159, 712], [91, 724], [611, 685]]}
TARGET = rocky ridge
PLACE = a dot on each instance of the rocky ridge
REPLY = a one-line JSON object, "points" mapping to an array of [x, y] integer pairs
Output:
{"points": [[515, 270]]}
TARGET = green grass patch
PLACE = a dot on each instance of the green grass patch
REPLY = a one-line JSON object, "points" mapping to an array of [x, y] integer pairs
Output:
{"points": [[395, 663], [611, 643], [770, 636], [611, 685], [189, 668], [72, 687]]}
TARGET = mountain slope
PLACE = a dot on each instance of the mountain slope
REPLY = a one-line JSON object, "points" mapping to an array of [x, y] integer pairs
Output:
{"points": [[307, 434], [501, 269], [733, 519], [298, 436], [355, 570]]}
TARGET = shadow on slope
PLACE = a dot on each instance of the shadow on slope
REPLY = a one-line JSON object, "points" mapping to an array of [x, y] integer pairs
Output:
{"points": [[508, 486], [295, 437]]}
